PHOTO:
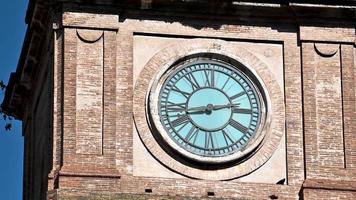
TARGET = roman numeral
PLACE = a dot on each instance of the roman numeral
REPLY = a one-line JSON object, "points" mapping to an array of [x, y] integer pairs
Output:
{"points": [[227, 80], [206, 73], [237, 95], [180, 120], [212, 78], [185, 94], [242, 110], [187, 122], [193, 133], [227, 137], [209, 143], [193, 82], [238, 126]]}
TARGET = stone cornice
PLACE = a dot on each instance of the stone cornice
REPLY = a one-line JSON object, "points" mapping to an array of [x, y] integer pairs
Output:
{"points": [[296, 11], [20, 82], [299, 10]]}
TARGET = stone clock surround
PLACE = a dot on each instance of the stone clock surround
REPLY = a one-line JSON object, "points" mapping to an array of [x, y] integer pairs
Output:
{"points": [[275, 106]]}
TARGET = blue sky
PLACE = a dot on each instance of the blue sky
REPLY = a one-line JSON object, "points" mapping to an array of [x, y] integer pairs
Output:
{"points": [[12, 32]]}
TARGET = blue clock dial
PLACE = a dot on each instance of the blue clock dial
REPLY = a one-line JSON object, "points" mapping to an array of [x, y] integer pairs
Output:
{"points": [[209, 108]]}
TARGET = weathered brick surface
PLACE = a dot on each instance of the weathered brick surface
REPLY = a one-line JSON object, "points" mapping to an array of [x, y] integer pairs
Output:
{"points": [[89, 92], [348, 72], [323, 106], [328, 103], [79, 119], [124, 86], [98, 138]]}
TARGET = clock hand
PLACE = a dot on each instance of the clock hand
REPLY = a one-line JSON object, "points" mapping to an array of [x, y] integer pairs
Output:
{"points": [[208, 108], [196, 110], [218, 107]]}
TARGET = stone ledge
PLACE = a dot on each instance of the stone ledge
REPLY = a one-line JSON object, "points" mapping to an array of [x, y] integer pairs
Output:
{"points": [[60, 194], [89, 20], [329, 34], [329, 184]]}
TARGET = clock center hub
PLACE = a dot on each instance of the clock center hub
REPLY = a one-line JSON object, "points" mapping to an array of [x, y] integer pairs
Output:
{"points": [[209, 107], [217, 112]]}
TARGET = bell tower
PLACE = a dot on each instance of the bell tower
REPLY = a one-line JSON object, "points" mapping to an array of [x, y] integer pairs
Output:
{"points": [[187, 100]]}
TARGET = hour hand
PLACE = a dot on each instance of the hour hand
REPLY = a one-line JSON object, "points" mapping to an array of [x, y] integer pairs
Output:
{"points": [[200, 109]]}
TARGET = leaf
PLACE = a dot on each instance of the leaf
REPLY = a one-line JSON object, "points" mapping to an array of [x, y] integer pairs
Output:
{"points": [[8, 127], [2, 85]]}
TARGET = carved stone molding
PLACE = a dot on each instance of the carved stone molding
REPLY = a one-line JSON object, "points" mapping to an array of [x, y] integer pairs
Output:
{"points": [[326, 50], [89, 36]]}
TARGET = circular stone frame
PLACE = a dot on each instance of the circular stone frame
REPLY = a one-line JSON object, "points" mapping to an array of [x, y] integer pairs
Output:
{"points": [[273, 128]]}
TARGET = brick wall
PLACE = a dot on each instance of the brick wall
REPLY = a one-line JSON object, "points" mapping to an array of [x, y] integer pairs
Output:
{"points": [[85, 109]]}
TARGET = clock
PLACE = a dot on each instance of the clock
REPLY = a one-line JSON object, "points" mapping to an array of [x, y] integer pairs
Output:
{"points": [[208, 109]]}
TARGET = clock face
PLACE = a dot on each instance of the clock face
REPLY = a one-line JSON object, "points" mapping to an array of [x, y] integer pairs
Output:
{"points": [[209, 108]]}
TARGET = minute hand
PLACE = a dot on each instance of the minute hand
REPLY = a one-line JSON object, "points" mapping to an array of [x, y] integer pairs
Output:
{"points": [[218, 107]]}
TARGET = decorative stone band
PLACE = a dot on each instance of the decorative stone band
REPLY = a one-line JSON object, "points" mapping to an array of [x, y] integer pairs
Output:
{"points": [[275, 120]]}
